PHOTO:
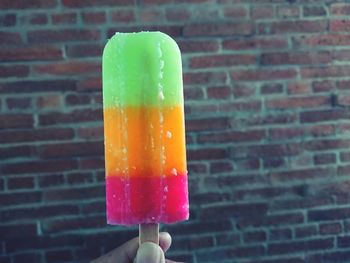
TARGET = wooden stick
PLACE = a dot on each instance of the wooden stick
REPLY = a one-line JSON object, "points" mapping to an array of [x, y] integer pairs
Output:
{"points": [[149, 233]]}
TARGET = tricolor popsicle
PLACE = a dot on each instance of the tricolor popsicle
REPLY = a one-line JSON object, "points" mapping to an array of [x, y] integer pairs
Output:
{"points": [[145, 154]]}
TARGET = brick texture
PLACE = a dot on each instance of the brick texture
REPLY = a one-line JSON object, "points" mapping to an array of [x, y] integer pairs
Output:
{"points": [[267, 101]]}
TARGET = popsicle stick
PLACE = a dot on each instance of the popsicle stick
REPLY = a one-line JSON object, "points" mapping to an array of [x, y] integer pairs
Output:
{"points": [[149, 233]]}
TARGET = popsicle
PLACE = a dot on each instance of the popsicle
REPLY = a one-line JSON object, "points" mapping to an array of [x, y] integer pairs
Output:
{"points": [[145, 152]]}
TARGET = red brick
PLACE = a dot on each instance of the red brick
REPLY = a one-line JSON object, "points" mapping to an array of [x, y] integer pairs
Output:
{"points": [[271, 88], [327, 144], [58, 255], [262, 12], [242, 91], [323, 86], [42, 134], [324, 40], [16, 121], [94, 17], [340, 9], [205, 78], [34, 19], [93, 83], [79, 178], [325, 158], [8, 20], [192, 46], [280, 234], [77, 99], [341, 55], [62, 35], [71, 149], [92, 3], [205, 124], [280, 118], [300, 58], [177, 14], [206, 154], [51, 101], [343, 84], [299, 88], [195, 243], [305, 231], [328, 214], [18, 103], [322, 72], [193, 94], [288, 11], [273, 163], [343, 241], [343, 100], [14, 230], [234, 210], [221, 167], [314, 11], [296, 26], [340, 25], [330, 229], [345, 156], [20, 183], [323, 115], [123, 16], [64, 18], [253, 105], [16, 151], [51, 180], [8, 199], [286, 133], [90, 132], [273, 220], [343, 128], [263, 74], [232, 136], [39, 166], [218, 29], [27, 256], [297, 246], [78, 115], [14, 71], [150, 15], [84, 193], [10, 38], [30, 53], [197, 168], [254, 236], [300, 175], [220, 92], [298, 102], [38, 85], [8, 4], [221, 61], [68, 68], [235, 12]]}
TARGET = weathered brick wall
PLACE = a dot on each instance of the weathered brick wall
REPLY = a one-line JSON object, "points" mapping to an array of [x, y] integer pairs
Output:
{"points": [[267, 88]]}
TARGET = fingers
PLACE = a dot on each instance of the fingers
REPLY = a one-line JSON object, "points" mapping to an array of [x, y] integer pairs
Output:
{"points": [[149, 253], [128, 251], [164, 241]]}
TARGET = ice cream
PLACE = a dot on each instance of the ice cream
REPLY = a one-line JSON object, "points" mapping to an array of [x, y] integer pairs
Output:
{"points": [[145, 154]]}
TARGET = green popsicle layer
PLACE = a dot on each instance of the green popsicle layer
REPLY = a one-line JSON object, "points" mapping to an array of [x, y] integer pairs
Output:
{"points": [[142, 69]]}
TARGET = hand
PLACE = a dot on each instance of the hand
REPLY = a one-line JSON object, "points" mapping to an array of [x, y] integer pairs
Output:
{"points": [[146, 253]]}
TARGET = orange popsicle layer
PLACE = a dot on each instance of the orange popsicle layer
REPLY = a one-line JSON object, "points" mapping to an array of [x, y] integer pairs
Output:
{"points": [[144, 141]]}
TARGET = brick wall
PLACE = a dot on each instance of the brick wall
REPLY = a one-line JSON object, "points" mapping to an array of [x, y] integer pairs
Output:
{"points": [[267, 91]]}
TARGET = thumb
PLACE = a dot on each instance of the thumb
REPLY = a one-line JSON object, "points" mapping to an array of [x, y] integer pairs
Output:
{"points": [[149, 253]]}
